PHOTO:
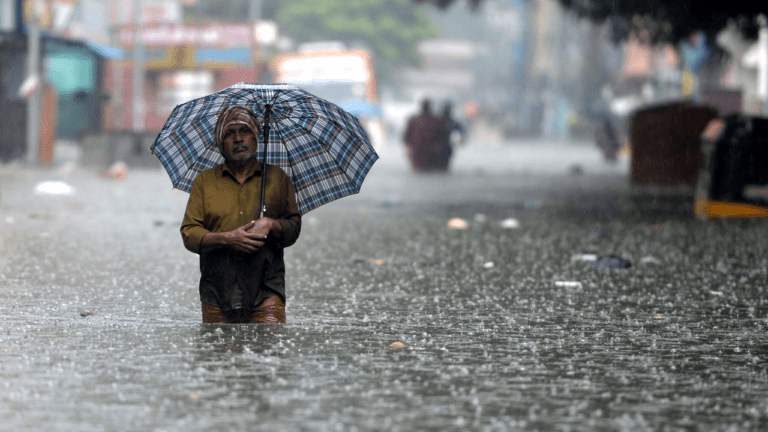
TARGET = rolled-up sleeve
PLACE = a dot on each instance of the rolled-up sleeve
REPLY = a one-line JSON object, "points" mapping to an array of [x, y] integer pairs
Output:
{"points": [[290, 219], [192, 228]]}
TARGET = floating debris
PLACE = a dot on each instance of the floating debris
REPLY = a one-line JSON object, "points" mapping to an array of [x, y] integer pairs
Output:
{"points": [[649, 260], [457, 223], [510, 223], [54, 188], [117, 171], [488, 265], [584, 257], [397, 345], [85, 313], [612, 262], [371, 260], [568, 284]]}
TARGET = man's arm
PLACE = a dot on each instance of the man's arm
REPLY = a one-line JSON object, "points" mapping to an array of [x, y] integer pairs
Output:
{"points": [[198, 239], [193, 227], [242, 239]]}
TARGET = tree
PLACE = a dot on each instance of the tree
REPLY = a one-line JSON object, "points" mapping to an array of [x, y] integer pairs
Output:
{"points": [[442, 4], [390, 28], [661, 20], [670, 20]]}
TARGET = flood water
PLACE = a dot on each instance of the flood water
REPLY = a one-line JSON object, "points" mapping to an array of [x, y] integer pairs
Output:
{"points": [[100, 317]]}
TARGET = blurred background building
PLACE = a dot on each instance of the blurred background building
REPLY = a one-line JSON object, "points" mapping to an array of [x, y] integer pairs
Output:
{"points": [[103, 75]]}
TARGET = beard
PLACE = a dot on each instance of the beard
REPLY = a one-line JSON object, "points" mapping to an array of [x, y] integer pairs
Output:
{"points": [[238, 158]]}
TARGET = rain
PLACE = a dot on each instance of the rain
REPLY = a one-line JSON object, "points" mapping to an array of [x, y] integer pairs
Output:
{"points": [[537, 284]]}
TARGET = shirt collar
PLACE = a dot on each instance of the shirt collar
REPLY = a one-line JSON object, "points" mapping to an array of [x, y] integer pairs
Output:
{"points": [[255, 170]]}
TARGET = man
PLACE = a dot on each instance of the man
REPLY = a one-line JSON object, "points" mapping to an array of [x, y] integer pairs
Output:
{"points": [[455, 129], [455, 135], [241, 257], [426, 140]]}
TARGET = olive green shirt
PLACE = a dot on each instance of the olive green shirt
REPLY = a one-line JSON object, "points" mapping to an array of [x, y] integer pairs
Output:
{"points": [[217, 203]]}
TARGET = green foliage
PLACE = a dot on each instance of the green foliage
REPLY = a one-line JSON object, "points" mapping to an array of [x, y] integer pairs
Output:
{"points": [[443, 4], [670, 21], [390, 28], [659, 20]]}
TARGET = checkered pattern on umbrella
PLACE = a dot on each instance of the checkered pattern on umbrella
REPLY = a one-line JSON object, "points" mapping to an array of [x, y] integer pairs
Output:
{"points": [[322, 148]]}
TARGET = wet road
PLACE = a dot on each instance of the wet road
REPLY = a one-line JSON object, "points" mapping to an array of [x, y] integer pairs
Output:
{"points": [[503, 330]]}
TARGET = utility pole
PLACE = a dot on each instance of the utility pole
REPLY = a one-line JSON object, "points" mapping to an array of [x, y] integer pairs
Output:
{"points": [[762, 64], [254, 16], [254, 12], [138, 67], [35, 99], [117, 82]]}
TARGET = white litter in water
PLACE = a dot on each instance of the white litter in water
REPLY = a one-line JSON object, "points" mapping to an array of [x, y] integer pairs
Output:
{"points": [[510, 223], [568, 284], [488, 265], [54, 188], [584, 257], [649, 260]]}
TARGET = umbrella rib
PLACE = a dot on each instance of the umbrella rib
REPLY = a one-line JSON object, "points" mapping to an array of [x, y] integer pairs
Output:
{"points": [[287, 153]]}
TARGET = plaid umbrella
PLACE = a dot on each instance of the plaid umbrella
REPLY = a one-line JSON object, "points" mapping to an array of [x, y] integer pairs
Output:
{"points": [[322, 148]]}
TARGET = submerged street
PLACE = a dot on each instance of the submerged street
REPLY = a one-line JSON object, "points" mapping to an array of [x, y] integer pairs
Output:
{"points": [[506, 322]]}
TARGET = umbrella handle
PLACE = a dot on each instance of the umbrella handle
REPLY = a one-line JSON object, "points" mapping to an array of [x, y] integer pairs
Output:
{"points": [[265, 133]]}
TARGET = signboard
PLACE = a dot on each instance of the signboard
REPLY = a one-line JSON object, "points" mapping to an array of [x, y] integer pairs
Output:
{"points": [[82, 19], [51, 15], [215, 35], [317, 67], [153, 11]]}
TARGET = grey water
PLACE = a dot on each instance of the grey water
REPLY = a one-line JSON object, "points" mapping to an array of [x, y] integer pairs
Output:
{"points": [[502, 330]]}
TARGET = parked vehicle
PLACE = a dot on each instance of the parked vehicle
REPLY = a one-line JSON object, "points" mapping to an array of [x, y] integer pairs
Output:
{"points": [[342, 76]]}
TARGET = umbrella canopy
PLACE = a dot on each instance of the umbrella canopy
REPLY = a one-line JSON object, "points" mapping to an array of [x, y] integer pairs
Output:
{"points": [[322, 148]]}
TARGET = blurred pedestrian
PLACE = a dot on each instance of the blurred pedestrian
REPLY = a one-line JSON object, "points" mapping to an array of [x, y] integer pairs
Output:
{"points": [[241, 257], [426, 140], [606, 139], [456, 132]]}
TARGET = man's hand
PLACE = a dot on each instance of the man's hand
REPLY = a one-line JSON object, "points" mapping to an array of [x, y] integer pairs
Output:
{"points": [[265, 226], [247, 238], [244, 239]]}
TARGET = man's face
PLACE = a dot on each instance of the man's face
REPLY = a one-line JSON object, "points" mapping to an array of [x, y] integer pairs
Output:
{"points": [[239, 144]]}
